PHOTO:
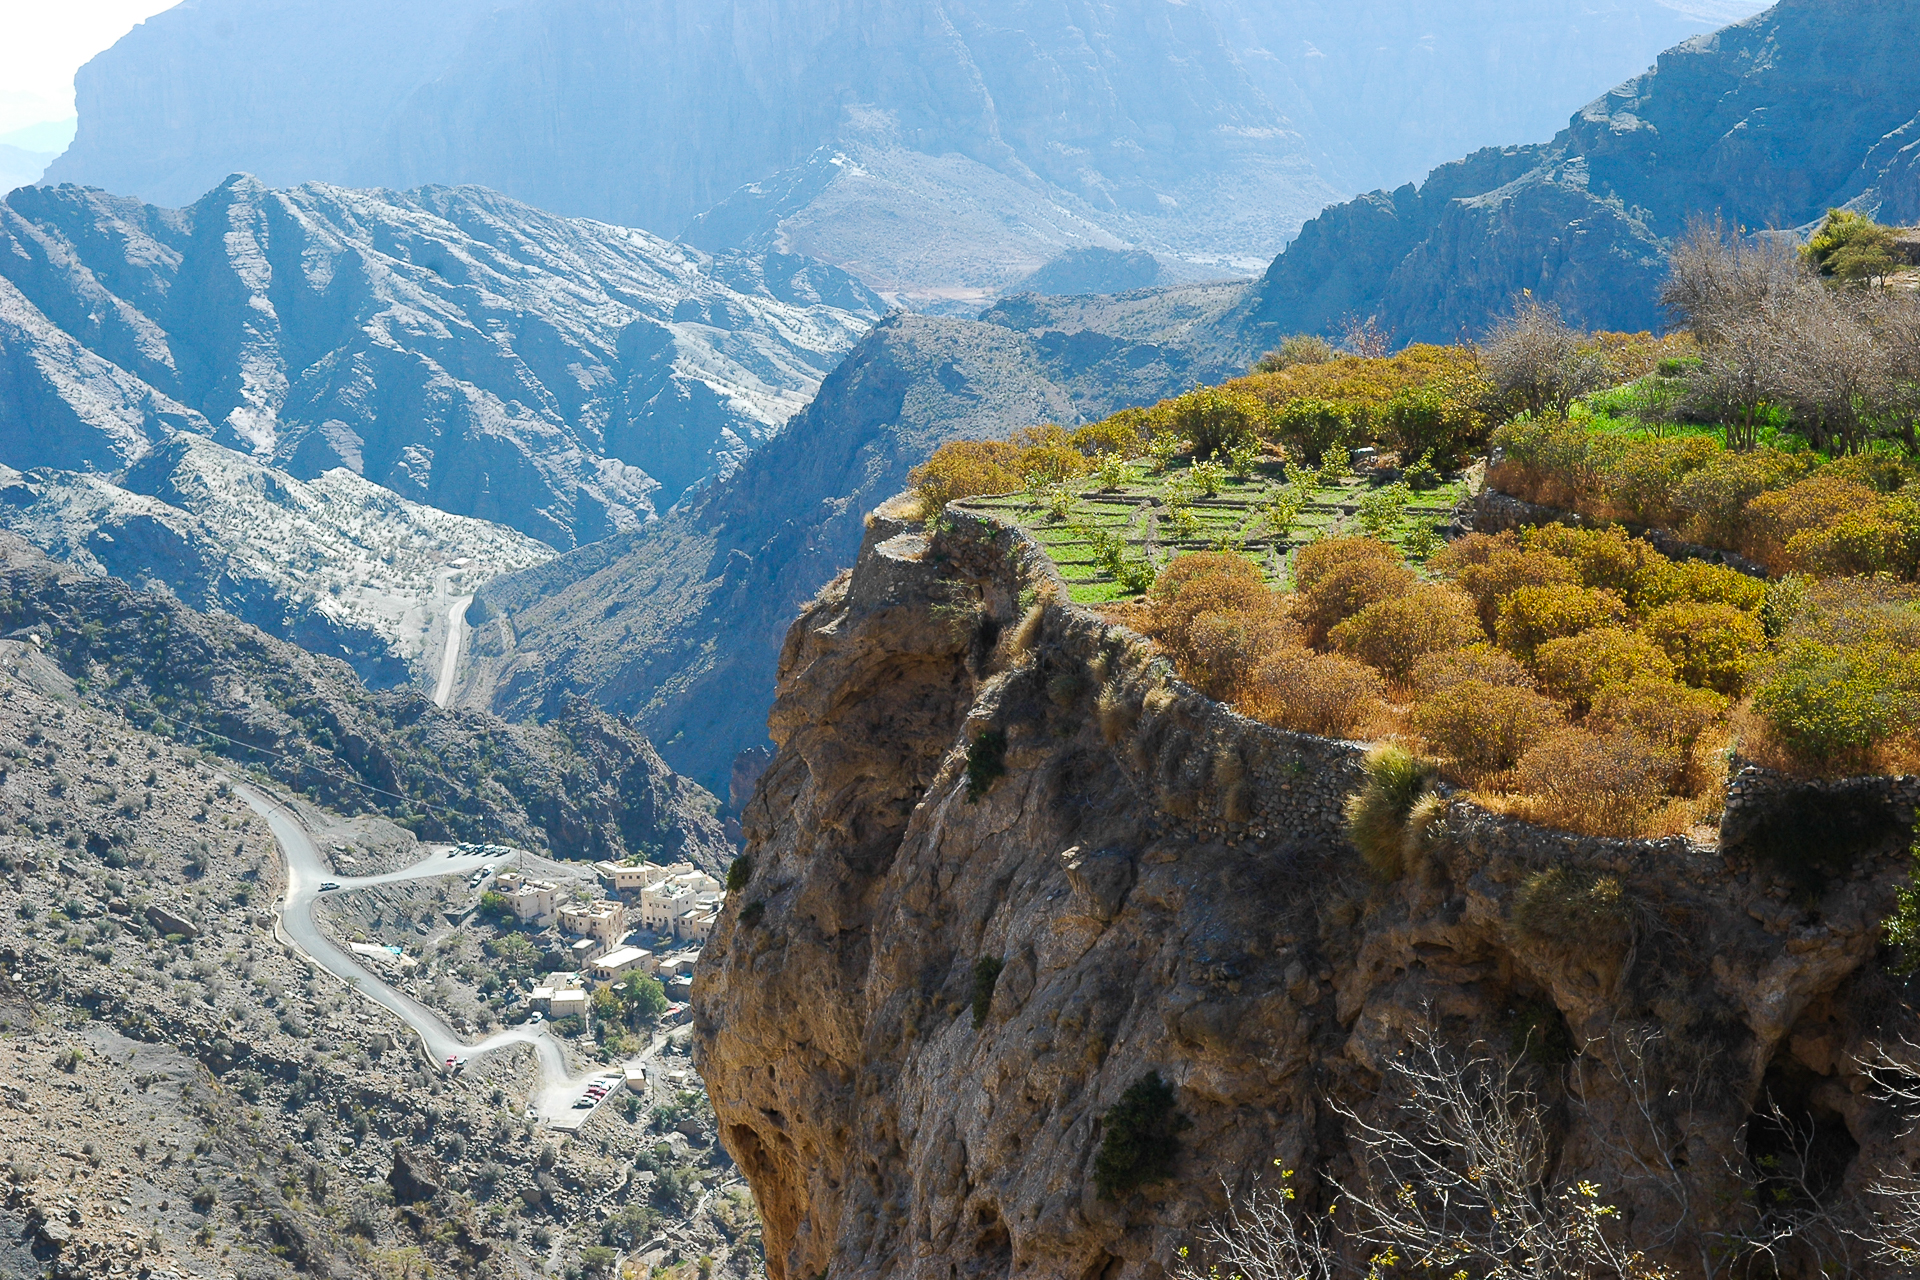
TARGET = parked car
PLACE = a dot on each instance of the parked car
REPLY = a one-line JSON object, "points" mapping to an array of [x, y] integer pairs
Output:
{"points": [[325, 885]]}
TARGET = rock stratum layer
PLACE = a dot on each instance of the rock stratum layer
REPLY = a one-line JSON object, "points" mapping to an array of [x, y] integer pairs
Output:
{"points": [[1169, 890]]}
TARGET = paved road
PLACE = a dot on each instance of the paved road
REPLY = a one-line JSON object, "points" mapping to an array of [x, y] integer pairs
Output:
{"points": [[450, 652], [306, 871]]}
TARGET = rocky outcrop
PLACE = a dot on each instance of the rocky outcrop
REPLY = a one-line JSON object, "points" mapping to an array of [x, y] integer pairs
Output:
{"points": [[466, 351], [1166, 888], [631, 622], [1767, 124]]}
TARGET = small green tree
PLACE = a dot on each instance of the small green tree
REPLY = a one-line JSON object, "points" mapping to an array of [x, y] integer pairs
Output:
{"points": [[1851, 247], [1141, 1139]]}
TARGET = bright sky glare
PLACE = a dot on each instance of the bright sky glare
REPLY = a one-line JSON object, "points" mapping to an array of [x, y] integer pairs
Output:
{"points": [[43, 42]]}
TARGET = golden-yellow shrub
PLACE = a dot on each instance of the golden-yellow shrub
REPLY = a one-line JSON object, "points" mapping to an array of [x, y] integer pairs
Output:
{"points": [[1627, 566], [1392, 635], [1484, 728], [1814, 505], [1670, 717], [1339, 577], [1324, 693], [1531, 616], [1712, 646], [1577, 668], [1480, 662], [1221, 650], [1595, 784], [1707, 584], [964, 469], [1491, 571]]}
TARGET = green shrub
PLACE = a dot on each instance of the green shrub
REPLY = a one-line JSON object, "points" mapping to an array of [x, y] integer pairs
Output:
{"points": [[1392, 635], [1577, 668], [1851, 246], [739, 871], [1703, 583], [1140, 1138], [1484, 728], [1831, 705], [1380, 511], [1712, 646], [1217, 419], [986, 974], [1433, 419], [986, 761], [750, 915], [1573, 909], [1377, 812], [1531, 616], [1295, 349], [1312, 429]]}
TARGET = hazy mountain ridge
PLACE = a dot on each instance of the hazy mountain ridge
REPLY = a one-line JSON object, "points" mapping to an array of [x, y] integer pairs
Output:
{"points": [[339, 565], [1205, 132], [1812, 104], [455, 346]]}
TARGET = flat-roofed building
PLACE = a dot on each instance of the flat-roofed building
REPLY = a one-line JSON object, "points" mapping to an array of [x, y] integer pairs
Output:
{"points": [[603, 919], [673, 896], [621, 961], [531, 900]]}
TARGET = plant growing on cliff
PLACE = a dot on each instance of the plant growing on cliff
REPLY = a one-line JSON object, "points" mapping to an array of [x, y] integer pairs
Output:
{"points": [[1140, 1138], [1263, 1237], [739, 872], [1573, 908], [986, 761], [1455, 1177], [1377, 813], [986, 974]]}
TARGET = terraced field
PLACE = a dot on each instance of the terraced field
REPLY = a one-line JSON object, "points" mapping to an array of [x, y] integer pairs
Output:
{"points": [[1111, 534]]}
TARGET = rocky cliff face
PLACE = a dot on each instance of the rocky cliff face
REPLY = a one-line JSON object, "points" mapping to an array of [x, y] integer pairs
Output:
{"points": [[1168, 889], [1767, 123], [459, 348], [938, 150], [678, 623]]}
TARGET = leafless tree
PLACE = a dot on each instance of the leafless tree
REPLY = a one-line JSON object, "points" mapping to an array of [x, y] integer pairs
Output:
{"points": [[1458, 1178], [1831, 372], [1717, 278], [1364, 336], [1539, 363], [1264, 1236], [1894, 1074]]}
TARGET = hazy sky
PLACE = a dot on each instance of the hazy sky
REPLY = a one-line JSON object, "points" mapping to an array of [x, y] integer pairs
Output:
{"points": [[45, 43]]}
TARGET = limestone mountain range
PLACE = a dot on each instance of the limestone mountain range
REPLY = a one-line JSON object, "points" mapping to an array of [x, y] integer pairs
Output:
{"points": [[558, 376]]}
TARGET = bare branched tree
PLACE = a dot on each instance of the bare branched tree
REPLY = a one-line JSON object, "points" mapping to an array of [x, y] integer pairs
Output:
{"points": [[1894, 1076], [1716, 278], [1538, 363], [1458, 1178], [1264, 1236]]}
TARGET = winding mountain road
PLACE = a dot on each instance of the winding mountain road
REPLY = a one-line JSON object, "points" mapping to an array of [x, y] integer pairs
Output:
{"points": [[307, 871], [450, 651]]}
